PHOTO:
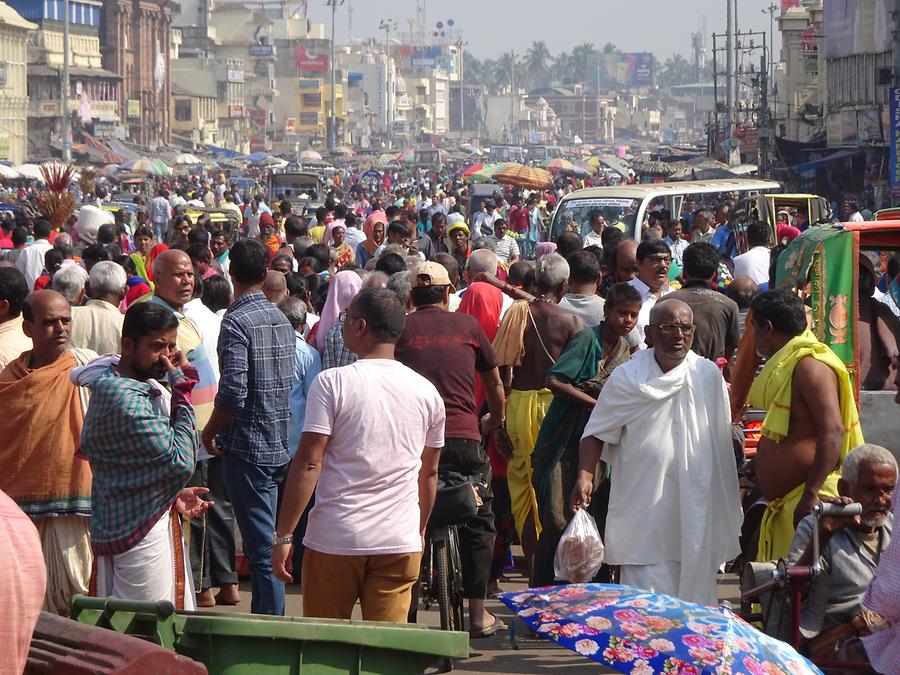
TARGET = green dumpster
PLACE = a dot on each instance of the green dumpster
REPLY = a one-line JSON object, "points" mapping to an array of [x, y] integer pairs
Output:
{"points": [[235, 644]]}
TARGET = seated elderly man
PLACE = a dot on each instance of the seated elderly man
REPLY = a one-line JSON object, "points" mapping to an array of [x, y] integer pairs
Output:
{"points": [[850, 549]]}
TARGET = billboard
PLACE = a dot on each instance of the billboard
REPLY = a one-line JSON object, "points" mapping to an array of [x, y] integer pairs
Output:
{"points": [[857, 27], [308, 61], [893, 166], [262, 50], [630, 70]]}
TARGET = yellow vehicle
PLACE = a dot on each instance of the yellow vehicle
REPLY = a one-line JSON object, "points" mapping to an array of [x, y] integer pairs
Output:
{"points": [[226, 220]]}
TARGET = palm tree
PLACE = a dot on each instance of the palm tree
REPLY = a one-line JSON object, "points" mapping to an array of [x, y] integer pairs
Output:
{"points": [[504, 70], [584, 60], [536, 64], [562, 69], [610, 48]]}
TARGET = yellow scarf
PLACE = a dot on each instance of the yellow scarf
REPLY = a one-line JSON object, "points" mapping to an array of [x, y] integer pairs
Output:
{"points": [[771, 390]]}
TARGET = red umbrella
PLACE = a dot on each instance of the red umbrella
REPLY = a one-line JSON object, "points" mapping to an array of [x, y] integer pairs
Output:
{"points": [[473, 169]]}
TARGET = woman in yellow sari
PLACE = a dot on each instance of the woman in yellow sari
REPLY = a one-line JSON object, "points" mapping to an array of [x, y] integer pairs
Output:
{"points": [[334, 237]]}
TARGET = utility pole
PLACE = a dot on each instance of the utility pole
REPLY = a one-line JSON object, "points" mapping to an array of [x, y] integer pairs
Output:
{"points": [[764, 123], [332, 120], [512, 96], [462, 91], [770, 10], [729, 71], [387, 25], [66, 120]]}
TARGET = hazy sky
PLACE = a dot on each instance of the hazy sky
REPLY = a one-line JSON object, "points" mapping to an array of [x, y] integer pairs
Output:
{"points": [[492, 27]]}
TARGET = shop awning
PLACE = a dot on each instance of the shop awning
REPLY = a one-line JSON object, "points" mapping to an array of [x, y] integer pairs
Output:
{"points": [[818, 163]]}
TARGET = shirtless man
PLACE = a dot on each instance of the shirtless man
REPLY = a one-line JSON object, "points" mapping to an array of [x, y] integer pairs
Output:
{"points": [[811, 423], [546, 333]]}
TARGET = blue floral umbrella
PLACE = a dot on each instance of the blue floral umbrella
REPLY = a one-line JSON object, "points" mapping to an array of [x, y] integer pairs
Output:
{"points": [[644, 633]]}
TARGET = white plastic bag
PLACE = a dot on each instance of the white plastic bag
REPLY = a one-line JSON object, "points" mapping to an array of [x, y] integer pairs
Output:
{"points": [[579, 553]]}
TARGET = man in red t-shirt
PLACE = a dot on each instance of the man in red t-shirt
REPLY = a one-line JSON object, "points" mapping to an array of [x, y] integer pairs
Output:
{"points": [[518, 216], [448, 349]]}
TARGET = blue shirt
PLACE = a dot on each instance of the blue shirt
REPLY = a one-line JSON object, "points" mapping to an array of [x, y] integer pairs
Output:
{"points": [[307, 364], [256, 361], [720, 241]]}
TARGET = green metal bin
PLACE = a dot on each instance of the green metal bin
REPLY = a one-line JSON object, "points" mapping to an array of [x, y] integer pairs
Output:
{"points": [[238, 644]]}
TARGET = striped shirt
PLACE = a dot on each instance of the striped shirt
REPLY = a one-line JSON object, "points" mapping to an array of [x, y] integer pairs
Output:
{"points": [[256, 366]]}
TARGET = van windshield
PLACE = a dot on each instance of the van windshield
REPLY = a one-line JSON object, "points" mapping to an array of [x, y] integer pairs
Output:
{"points": [[575, 214]]}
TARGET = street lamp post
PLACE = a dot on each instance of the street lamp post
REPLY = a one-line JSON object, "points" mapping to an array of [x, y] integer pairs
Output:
{"points": [[332, 121], [66, 122], [387, 25]]}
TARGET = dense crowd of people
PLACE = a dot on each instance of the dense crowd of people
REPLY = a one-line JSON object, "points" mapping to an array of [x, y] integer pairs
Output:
{"points": [[182, 396]]}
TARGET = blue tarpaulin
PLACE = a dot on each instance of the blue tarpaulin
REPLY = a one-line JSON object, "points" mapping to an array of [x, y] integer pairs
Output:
{"points": [[222, 152]]}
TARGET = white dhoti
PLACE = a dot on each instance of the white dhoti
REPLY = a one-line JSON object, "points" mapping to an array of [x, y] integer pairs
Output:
{"points": [[674, 507], [665, 578], [66, 543], [157, 568]]}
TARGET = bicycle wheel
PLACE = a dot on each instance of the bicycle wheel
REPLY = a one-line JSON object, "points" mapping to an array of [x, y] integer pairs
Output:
{"points": [[455, 580], [442, 572]]}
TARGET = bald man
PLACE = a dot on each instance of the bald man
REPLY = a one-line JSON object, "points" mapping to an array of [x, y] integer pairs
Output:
{"points": [[43, 411], [275, 287], [662, 423]]}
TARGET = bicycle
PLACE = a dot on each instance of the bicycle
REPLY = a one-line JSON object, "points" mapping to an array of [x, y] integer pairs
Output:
{"points": [[440, 580]]}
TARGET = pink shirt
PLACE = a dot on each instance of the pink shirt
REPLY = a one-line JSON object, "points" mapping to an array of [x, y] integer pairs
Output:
{"points": [[380, 416], [23, 582]]}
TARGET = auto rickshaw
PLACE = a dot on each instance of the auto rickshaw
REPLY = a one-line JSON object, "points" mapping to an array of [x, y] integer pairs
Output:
{"points": [[226, 220], [128, 209], [822, 264], [765, 207]]}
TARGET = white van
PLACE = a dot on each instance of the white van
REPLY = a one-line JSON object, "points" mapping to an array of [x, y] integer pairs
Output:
{"points": [[629, 204]]}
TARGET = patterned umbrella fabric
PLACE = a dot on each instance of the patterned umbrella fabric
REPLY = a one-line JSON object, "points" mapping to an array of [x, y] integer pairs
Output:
{"points": [[644, 633], [525, 177], [143, 165], [407, 156]]}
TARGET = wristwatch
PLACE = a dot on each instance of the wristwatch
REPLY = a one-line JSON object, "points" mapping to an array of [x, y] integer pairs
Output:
{"points": [[287, 539]]}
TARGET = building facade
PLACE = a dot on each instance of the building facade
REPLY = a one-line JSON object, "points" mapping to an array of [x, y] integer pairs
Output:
{"points": [[14, 31], [93, 90], [800, 107], [590, 116], [137, 45]]}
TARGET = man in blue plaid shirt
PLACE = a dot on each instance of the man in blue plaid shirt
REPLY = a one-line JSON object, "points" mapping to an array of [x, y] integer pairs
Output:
{"points": [[249, 424]]}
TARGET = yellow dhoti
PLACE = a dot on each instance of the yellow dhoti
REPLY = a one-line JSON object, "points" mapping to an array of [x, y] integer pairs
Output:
{"points": [[777, 528], [525, 410]]}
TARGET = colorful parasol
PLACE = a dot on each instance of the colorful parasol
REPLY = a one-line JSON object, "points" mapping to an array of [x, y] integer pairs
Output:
{"points": [[637, 632], [310, 156], [557, 164], [152, 166], [475, 168], [407, 156], [524, 177]]}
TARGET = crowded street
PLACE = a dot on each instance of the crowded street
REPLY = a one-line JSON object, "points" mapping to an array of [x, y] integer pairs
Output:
{"points": [[577, 364]]}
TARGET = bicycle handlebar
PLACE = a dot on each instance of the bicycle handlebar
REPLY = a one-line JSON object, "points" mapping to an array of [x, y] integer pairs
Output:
{"points": [[838, 510]]}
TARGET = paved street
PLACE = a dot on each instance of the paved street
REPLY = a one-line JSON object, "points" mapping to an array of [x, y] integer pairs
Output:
{"points": [[496, 654]]}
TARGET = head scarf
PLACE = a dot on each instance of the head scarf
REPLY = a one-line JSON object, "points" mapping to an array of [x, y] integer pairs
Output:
{"points": [[331, 227], [369, 229], [786, 234], [343, 288]]}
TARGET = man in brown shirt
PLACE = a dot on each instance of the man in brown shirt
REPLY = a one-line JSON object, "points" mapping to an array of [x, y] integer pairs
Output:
{"points": [[716, 316]]}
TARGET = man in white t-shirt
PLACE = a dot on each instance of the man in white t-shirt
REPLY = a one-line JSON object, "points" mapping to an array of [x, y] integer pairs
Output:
{"points": [[755, 262], [370, 449]]}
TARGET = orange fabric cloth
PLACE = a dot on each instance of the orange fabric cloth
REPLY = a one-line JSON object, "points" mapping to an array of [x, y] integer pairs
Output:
{"points": [[43, 412]]}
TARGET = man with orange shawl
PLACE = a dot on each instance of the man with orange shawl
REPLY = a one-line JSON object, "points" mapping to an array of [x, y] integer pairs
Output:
{"points": [[43, 413], [811, 423]]}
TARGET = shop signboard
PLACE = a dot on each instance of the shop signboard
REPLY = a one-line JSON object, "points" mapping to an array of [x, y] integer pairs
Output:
{"points": [[310, 62], [133, 109], [894, 154]]}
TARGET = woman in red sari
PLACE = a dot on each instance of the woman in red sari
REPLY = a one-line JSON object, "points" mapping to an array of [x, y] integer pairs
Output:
{"points": [[334, 236]]}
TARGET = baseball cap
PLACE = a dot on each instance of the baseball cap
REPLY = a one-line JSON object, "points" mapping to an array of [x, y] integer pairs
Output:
{"points": [[430, 274]]}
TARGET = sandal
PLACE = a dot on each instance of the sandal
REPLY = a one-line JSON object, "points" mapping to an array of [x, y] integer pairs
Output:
{"points": [[486, 631]]}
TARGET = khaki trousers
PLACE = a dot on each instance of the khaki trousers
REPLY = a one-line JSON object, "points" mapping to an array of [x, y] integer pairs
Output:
{"points": [[331, 585]]}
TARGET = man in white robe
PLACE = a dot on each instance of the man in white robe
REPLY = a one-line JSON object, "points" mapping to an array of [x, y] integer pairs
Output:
{"points": [[662, 423]]}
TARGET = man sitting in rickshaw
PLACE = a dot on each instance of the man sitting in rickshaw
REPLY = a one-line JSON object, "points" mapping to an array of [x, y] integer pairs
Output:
{"points": [[850, 548]]}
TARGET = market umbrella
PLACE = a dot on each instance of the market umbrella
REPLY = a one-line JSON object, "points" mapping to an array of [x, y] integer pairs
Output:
{"points": [[475, 168], [187, 158], [585, 168], [387, 158], [525, 177], [407, 156], [310, 156], [487, 172], [635, 631], [654, 168], [8, 172], [29, 171], [557, 164], [344, 150]]}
